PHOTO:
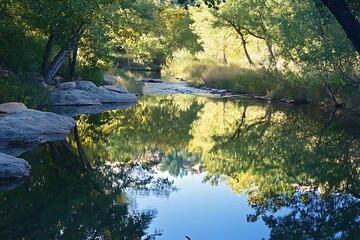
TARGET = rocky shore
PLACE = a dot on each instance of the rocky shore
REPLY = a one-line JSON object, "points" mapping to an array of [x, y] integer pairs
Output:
{"points": [[84, 93], [21, 129], [84, 97]]}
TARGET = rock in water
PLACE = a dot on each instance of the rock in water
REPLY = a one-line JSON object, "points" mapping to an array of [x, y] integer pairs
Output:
{"points": [[22, 131], [72, 111], [12, 107], [12, 167], [13, 172], [104, 94], [87, 93]]}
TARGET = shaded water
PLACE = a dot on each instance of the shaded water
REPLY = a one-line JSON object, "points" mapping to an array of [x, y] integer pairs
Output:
{"points": [[184, 165]]}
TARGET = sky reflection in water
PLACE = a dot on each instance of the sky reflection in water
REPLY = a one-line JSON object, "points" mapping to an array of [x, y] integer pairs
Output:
{"points": [[202, 211], [292, 168]]}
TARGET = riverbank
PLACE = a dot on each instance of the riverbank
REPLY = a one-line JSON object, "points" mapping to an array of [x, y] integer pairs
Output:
{"points": [[288, 87], [21, 129], [19, 134]]}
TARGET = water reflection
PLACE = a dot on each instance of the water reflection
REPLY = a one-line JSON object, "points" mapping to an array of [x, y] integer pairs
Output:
{"points": [[62, 199], [278, 156], [311, 215], [299, 159]]}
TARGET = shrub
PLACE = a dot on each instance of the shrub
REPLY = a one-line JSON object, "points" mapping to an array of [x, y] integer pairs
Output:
{"points": [[23, 88], [94, 74]]}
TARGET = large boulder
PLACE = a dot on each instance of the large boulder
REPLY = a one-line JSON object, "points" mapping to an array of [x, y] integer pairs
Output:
{"points": [[22, 131], [106, 95], [12, 107], [13, 172], [73, 97], [12, 167], [87, 93], [66, 85]]}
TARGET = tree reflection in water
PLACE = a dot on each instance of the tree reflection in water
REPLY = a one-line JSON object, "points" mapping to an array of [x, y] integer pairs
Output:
{"points": [[63, 200], [312, 216], [297, 159], [286, 160]]}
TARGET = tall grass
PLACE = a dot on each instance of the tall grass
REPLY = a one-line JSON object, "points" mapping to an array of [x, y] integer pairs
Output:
{"points": [[233, 77], [278, 85], [239, 80]]}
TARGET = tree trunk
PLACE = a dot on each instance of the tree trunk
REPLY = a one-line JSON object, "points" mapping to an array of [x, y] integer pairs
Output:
{"points": [[332, 95], [225, 62], [271, 52], [127, 56], [49, 47], [50, 72], [56, 63], [72, 62], [243, 42], [346, 19]]}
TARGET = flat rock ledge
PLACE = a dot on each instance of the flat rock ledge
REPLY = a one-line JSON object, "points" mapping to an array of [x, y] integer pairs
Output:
{"points": [[85, 93], [22, 131]]}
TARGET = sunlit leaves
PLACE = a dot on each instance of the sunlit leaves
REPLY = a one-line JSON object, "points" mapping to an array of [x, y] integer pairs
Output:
{"points": [[217, 41]]}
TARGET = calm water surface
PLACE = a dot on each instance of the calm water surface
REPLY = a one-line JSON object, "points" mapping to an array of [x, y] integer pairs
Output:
{"points": [[184, 165]]}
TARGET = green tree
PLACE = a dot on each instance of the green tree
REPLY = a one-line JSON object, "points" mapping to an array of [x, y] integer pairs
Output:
{"points": [[218, 42], [68, 29], [248, 19], [345, 13], [346, 16]]}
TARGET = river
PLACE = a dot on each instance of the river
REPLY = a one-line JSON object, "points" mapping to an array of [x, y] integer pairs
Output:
{"points": [[187, 164]]}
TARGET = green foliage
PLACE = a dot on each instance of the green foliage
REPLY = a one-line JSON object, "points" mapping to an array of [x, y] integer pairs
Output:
{"points": [[301, 45], [23, 88], [150, 51], [96, 75], [218, 41], [152, 39], [188, 66], [297, 49], [20, 49]]}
